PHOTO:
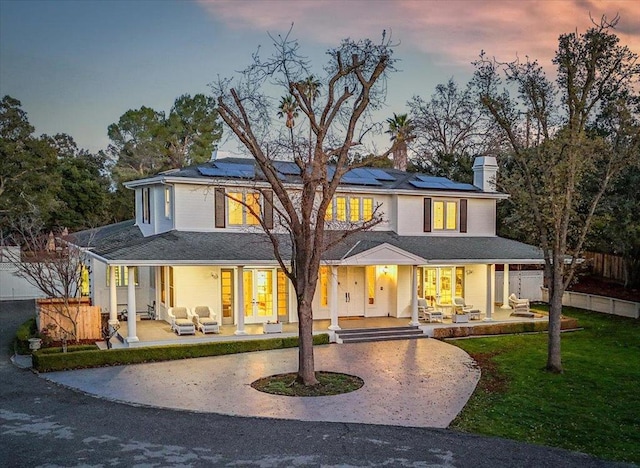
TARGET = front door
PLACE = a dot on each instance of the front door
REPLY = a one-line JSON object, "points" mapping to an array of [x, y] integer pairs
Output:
{"points": [[351, 289], [259, 306]]}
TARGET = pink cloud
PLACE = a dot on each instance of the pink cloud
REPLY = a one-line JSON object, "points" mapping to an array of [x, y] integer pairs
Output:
{"points": [[454, 31]]}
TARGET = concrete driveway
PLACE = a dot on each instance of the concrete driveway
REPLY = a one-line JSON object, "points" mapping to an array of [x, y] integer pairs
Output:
{"points": [[418, 383]]}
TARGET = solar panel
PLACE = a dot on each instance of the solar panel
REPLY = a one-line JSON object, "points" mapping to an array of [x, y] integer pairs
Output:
{"points": [[428, 178], [287, 168], [380, 174], [240, 171], [370, 173], [359, 181], [448, 185]]}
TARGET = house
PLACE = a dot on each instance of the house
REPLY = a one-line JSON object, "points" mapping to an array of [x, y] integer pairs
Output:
{"points": [[192, 243]]}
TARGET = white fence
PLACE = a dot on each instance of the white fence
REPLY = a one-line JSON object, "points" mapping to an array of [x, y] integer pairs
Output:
{"points": [[525, 284], [13, 287], [606, 305]]}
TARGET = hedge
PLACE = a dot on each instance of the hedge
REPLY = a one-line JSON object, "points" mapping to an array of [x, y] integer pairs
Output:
{"points": [[53, 359], [27, 330]]}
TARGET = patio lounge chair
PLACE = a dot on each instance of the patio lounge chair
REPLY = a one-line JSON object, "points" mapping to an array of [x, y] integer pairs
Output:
{"points": [[205, 320], [181, 321], [461, 306], [519, 306], [427, 312]]}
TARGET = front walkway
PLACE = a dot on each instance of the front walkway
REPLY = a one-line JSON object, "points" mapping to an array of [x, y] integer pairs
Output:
{"points": [[419, 383]]}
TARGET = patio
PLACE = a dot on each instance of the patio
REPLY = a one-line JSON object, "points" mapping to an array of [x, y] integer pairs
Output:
{"points": [[159, 333]]}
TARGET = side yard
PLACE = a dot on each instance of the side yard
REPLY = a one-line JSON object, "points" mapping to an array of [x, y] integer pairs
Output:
{"points": [[594, 407]]}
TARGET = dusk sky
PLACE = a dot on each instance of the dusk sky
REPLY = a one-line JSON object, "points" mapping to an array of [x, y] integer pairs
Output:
{"points": [[77, 66]]}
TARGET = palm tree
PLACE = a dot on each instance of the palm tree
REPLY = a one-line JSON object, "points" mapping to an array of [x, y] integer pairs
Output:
{"points": [[401, 131], [289, 109]]}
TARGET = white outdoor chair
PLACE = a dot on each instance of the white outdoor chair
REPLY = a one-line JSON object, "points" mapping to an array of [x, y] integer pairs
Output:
{"points": [[181, 321], [427, 312], [519, 305], [474, 314], [205, 320]]}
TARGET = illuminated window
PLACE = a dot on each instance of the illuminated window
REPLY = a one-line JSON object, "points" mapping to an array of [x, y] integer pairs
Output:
{"points": [[352, 209], [241, 208], [445, 215], [328, 215], [283, 293], [84, 281], [367, 209], [324, 286], [341, 208], [226, 286], [441, 285], [371, 284], [163, 285], [122, 276], [172, 291]]}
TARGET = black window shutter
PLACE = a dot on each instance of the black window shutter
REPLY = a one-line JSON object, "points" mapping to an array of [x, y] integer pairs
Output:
{"points": [[219, 207], [427, 215], [268, 209], [463, 215]]}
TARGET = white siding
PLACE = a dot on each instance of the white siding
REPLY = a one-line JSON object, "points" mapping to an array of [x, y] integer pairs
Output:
{"points": [[194, 206], [481, 217], [409, 215], [100, 291], [197, 286]]}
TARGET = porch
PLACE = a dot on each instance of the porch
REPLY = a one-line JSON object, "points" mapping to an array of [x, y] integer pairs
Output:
{"points": [[159, 333]]}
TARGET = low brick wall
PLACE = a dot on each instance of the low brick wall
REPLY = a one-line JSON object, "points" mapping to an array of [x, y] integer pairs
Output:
{"points": [[500, 329]]}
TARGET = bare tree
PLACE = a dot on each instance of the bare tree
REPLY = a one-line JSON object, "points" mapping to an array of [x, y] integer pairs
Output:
{"points": [[450, 130], [54, 267], [554, 153], [337, 118]]}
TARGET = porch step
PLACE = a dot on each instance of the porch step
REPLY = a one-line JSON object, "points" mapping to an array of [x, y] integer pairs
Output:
{"points": [[359, 335]]}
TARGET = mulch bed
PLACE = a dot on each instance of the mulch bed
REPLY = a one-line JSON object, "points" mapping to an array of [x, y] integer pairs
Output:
{"points": [[601, 287]]}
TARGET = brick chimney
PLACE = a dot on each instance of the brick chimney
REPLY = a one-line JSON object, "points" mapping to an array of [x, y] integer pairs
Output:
{"points": [[485, 170]]}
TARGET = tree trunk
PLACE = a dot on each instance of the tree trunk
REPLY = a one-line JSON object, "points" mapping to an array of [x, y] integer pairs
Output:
{"points": [[556, 291], [306, 365]]}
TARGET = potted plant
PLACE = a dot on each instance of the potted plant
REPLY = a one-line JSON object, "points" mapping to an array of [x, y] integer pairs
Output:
{"points": [[460, 317], [272, 327]]}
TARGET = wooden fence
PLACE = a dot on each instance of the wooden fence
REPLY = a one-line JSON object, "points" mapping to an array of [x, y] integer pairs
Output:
{"points": [[606, 265], [55, 320]]}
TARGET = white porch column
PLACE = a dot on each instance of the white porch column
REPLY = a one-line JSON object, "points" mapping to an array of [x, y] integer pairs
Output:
{"points": [[113, 296], [505, 287], [333, 299], [491, 291], [132, 336], [414, 296], [240, 301]]}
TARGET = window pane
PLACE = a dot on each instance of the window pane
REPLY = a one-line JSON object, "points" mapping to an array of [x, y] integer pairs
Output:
{"points": [[234, 208], [253, 201], [438, 215], [354, 209], [341, 208], [452, 215], [172, 296], [367, 209], [163, 285], [328, 215], [283, 293], [459, 281], [324, 286], [226, 280], [371, 284], [167, 202]]}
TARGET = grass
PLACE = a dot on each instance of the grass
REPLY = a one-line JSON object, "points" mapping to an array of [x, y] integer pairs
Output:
{"points": [[330, 383], [593, 407]]}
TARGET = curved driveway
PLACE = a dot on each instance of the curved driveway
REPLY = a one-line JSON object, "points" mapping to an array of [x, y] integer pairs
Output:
{"points": [[418, 383]]}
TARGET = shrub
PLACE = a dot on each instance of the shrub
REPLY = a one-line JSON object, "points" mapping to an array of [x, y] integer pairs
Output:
{"points": [[53, 359], [27, 330]]}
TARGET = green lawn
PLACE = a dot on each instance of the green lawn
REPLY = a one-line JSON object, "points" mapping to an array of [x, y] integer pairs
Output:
{"points": [[594, 407]]}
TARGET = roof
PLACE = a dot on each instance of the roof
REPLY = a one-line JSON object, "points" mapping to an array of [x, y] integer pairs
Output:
{"points": [[246, 169], [124, 243]]}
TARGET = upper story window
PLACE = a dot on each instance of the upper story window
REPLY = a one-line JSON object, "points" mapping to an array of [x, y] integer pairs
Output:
{"points": [[146, 205], [167, 202], [445, 215], [242, 208], [352, 209]]}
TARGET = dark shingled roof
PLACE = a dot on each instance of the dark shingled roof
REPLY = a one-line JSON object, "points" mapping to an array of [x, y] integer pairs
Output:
{"points": [[124, 242]]}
